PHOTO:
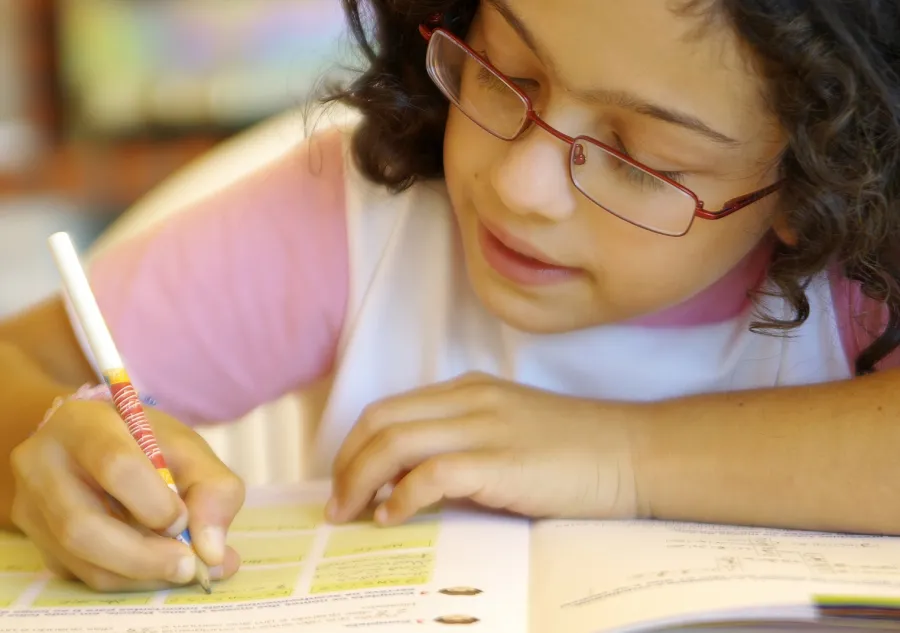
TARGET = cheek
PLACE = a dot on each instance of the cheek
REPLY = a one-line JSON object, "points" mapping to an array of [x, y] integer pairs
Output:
{"points": [[468, 156], [638, 272]]}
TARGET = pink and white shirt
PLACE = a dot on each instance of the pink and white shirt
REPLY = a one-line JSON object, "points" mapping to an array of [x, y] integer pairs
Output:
{"points": [[299, 271]]}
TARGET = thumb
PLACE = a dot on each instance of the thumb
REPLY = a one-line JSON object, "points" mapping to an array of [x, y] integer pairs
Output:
{"points": [[212, 493], [212, 504]]}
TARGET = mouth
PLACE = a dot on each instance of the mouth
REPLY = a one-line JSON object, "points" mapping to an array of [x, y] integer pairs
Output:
{"points": [[519, 261]]}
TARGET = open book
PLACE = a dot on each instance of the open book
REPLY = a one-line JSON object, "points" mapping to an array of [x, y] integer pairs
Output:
{"points": [[454, 569]]}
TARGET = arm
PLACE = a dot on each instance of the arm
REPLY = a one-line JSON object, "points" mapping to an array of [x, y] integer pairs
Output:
{"points": [[39, 360], [241, 299], [224, 306], [814, 457], [817, 457]]}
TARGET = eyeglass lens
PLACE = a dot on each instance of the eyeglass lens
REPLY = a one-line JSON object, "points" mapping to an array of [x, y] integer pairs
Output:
{"points": [[625, 190]]}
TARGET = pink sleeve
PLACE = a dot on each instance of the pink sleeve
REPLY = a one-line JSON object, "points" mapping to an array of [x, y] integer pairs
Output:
{"points": [[240, 298], [860, 319]]}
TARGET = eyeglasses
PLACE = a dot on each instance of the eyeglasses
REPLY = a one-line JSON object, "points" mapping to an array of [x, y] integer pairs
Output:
{"points": [[607, 177]]}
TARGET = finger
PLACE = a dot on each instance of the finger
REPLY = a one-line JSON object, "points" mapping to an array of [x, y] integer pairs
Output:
{"points": [[401, 447], [55, 567], [98, 440], [451, 476], [212, 506], [231, 563], [212, 492], [81, 527], [30, 521], [396, 479], [67, 566], [453, 398], [103, 580]]}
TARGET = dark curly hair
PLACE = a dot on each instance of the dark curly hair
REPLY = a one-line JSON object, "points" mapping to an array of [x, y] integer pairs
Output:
{"points": [[833, 71]]}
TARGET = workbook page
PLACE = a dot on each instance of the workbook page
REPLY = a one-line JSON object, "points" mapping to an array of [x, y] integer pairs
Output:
{"points": [[443, 570], [614, 576]]}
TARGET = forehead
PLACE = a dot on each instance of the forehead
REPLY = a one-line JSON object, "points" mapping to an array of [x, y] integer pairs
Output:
{"points": [[652, 49]]}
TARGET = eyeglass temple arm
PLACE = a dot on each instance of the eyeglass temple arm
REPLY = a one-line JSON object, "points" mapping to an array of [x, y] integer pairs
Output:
{"points": [[735, 204], [426, 29]]}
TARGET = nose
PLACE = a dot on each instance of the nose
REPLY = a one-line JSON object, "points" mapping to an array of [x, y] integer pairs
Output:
{"points": [[533, 177]]}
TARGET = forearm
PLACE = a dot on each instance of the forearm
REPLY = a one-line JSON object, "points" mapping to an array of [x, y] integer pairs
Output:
{"points": [[820, 457], [39, 360], [26, 392]]}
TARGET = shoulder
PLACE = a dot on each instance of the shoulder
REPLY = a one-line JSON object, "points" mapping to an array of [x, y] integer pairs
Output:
{"points": [[860, 318], [273, 166], [210, 287]]}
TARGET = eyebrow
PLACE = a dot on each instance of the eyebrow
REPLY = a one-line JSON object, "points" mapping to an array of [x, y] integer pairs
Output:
{"points": [[617, 98], [634, 103]]}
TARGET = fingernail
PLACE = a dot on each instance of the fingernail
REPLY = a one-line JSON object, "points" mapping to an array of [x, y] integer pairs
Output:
{"points": [[178, 527], [331, 509], [212, 543], [216, 573], [381, 514], [186, 570]]}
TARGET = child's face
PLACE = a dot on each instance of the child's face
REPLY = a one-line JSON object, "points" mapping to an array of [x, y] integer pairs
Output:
{"points": [[522, 191]]}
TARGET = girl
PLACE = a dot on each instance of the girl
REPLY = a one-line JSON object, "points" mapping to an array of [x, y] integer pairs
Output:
{"points": [[586, 258]]}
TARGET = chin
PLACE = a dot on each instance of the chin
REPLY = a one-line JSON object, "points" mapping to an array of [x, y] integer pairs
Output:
{"points": [[548, 309], [525, 318], [535, 311]]}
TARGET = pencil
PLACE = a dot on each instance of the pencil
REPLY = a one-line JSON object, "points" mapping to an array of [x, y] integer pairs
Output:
{"points": [[124, 396]]}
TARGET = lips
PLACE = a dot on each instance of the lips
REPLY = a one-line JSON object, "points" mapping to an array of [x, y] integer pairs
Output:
{"points": [[519, 261]]}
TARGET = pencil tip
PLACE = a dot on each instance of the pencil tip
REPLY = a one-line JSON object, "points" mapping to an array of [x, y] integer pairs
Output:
{"points": [[203, 577]]}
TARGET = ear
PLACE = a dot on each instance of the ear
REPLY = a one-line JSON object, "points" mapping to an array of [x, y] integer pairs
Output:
{"points": [[783, 230]]}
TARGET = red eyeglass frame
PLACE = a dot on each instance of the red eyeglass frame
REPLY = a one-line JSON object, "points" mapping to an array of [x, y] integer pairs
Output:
{"points": [[734, 204]]}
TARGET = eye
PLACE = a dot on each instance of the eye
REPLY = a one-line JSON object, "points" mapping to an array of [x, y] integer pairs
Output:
{"points": [[490, 81], [642, 178], [645, 181], [488, 78]]}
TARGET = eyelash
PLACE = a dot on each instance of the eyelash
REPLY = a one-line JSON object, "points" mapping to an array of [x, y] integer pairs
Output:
{"points": [[676, 176], [492, 82], [489, 80]]}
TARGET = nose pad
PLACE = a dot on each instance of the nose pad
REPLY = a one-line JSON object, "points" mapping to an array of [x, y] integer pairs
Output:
{"points": [[578, 157], [533, 178]]}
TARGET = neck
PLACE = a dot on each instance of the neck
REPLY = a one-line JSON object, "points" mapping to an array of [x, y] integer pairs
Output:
{"points": [[724, 299]]}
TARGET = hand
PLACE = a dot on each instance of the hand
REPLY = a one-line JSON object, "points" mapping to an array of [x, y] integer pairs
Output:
{"points": [[84, 451], [497, 443]]}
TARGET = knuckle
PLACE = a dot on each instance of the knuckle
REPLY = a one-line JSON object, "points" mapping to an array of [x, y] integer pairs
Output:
{"points": [[436, 470], [391, 440], [21, 459], [102, 581], [56, 567], [73, 415], [117, 466], [18, 513], [479, 377], [163, 520], [75, 534], [353, 474], [234, 487], [370, 419], [487, 393]]}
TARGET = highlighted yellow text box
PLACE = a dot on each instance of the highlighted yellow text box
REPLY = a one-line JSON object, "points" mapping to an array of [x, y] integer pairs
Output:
{"points": [[352, 541], [373, 572], [247, 585]]}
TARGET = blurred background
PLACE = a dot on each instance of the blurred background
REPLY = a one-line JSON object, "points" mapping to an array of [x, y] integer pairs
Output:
{"points": [[100, 100]]}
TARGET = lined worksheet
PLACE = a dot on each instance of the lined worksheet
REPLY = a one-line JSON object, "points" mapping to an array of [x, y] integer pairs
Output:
{"points": [[444, 567]]}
